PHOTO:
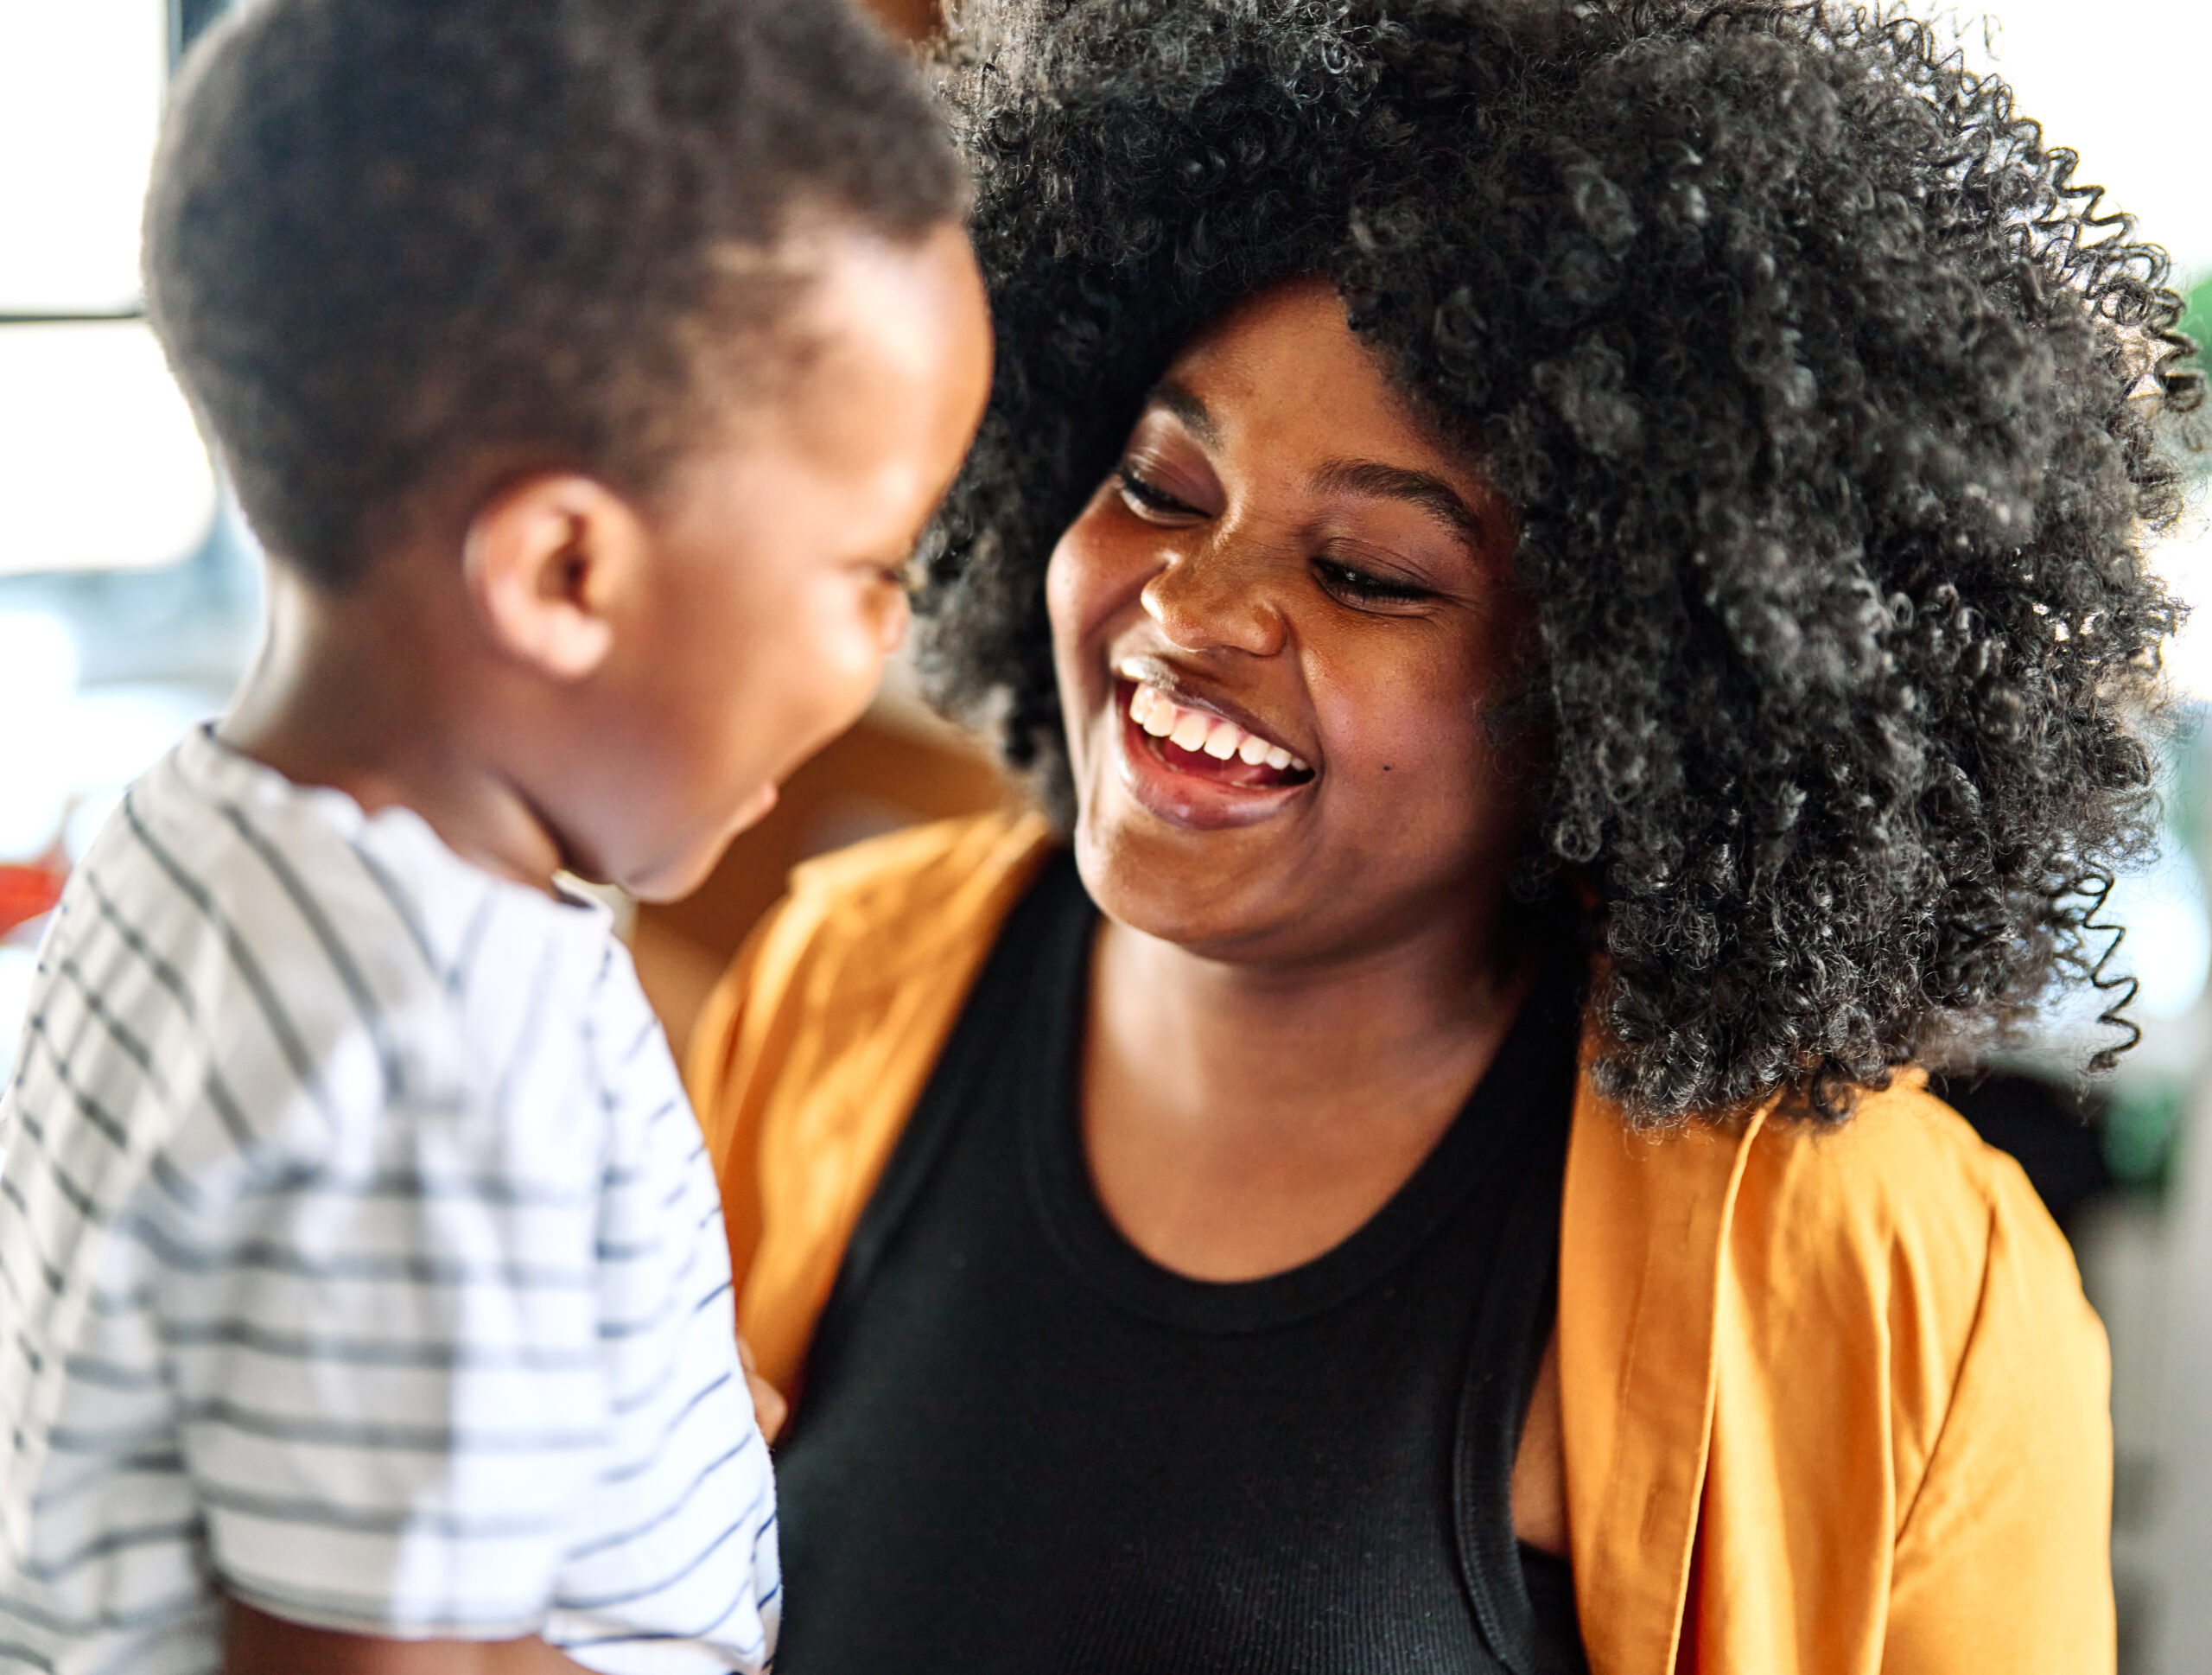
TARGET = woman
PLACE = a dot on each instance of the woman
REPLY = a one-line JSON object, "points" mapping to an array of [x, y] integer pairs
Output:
{"points": [[1570, 580]]}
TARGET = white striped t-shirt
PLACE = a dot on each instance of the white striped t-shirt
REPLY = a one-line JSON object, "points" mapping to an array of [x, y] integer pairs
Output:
{"points": [[359, 1257]]}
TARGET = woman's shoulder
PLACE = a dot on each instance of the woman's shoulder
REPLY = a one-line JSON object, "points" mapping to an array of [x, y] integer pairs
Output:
{"points": [[877, 939], [1903, 1179], [1916, 1246], [1873, 1337], [1908, 1272], [908, 898], [1902, 1192], [1897, 1222], [1886, 1261]]}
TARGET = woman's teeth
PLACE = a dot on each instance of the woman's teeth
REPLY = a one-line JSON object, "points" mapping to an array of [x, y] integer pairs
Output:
{"points": [[1195, 729]]}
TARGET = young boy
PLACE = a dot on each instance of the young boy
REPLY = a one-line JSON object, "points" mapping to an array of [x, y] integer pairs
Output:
{"points": [[588, 368]]}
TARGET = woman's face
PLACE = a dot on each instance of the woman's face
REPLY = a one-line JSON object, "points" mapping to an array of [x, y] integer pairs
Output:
{"points": [[1278, 626]]}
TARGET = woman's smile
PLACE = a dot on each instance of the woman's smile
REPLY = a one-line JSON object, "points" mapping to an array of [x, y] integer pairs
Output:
{"points": [[1197, 731], [1186, 759]]}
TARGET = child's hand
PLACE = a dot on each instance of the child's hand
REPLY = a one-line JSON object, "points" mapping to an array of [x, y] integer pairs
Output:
{"points": [[768, 1403]]}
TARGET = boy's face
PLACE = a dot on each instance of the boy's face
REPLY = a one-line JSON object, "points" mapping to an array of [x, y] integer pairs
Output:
{"points": [[773, 590]]}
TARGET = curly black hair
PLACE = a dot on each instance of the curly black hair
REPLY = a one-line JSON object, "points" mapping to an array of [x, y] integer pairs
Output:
{"points": [[1835, 411], [387, 237]]}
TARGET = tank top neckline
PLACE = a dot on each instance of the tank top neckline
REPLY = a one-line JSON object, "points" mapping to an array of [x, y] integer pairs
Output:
{"points": [[1472, 1146]]}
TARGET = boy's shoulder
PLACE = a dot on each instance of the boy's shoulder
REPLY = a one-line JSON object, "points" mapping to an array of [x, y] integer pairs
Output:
{"points": [[294, 958], [377, 1167]]}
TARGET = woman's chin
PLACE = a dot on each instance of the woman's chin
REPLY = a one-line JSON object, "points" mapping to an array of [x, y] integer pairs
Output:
{"points": [[1192, 861]]}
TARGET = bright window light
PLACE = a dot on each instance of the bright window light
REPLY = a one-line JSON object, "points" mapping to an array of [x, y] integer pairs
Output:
{"points": [[2081, 72], [38, 687], [100, 465], [2168, 945], [82, 84], [2184, 558]]}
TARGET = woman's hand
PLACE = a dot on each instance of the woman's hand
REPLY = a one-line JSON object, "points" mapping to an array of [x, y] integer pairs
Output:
{"points": [[768, 1403], [255, 1643]]}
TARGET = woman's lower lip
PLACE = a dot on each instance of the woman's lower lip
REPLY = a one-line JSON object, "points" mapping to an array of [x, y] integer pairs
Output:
{"points": [[1188, 799]]}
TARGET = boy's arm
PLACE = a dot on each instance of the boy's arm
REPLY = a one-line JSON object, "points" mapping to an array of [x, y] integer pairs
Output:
{"points": [[255, 1643]]}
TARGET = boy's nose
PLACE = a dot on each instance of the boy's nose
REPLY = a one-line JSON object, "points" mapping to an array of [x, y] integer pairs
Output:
{"points": [[890, 628]]}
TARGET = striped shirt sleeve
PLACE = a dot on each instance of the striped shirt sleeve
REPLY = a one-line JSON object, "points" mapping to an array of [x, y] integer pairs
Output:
{"points": [[391, 1396]]}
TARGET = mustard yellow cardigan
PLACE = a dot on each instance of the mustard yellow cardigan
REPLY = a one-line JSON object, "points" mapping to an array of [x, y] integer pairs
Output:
{"points": [[1834, 1401]]}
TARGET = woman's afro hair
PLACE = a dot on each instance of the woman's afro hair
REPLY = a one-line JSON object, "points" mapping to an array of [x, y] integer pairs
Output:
{"points": [[1835, 411]]}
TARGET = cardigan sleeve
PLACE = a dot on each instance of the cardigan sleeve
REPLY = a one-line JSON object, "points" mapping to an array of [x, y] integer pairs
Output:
{"points": [[2003, 1556], [818, 1041]]}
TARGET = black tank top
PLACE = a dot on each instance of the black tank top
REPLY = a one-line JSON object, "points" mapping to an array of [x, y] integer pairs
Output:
{"points": [[1024, 1448]]}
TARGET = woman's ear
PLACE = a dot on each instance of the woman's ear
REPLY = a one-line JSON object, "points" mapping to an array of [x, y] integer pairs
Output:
{"points": [[547, 560]]}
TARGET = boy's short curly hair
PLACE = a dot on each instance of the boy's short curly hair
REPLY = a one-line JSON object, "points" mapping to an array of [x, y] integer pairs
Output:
{"points": [[1832, 408], [388, 236]]}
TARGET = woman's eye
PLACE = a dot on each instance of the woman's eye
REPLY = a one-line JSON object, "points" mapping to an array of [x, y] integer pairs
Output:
{"points": [[1148, 500], [1360, 586]]}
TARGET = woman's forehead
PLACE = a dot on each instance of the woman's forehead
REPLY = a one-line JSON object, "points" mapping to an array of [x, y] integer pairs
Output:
{"points": [[1282, 375]]}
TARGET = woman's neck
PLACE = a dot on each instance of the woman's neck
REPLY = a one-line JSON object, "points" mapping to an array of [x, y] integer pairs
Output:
{"points": [[1240, 1119]]}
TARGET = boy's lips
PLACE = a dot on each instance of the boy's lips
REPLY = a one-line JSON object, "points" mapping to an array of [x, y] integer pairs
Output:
{"points": [[1193, 766]]}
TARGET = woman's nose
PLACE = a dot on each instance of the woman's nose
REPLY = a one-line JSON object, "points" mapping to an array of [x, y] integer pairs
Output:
{"points": [[1215, 598]]}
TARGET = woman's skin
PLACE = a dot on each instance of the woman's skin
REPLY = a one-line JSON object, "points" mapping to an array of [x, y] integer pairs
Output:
{"points": [[1303, 970], [256, 1641]]}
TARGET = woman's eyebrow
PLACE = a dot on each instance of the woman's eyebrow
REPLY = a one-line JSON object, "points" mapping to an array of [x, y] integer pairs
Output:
{"points": [[1375, 480], [1186, 407]]}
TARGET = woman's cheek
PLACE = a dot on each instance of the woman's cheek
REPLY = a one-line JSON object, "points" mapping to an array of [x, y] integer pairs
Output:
{"points": [[1064, 588], [1078, 679], [1081, 598], [1408, 736]]}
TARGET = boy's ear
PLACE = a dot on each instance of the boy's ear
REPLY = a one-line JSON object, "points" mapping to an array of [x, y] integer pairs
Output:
{"points": [[545, 560]]}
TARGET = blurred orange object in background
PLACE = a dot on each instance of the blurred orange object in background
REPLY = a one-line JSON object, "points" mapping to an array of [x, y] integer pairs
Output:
{"points": [[26, 893]]}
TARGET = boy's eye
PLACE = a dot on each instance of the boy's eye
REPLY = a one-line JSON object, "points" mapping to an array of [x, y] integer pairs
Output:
{"points": [[1147, 499], [901, 573], [1364, 587]]}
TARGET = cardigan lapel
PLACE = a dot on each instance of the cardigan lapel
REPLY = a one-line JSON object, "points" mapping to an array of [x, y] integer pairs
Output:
{"points": [[1643, 1229]]}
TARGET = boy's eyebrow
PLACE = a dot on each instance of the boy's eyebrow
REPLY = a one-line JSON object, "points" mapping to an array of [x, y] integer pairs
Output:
{"points": [[1375, 480], [1186, 407]]}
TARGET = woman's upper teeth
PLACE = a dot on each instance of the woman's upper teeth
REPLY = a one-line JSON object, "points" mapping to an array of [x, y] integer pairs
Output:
{"points": [[1198, 730]]}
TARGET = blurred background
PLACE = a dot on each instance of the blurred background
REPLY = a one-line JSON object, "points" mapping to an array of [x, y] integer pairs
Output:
{"points": [[129, 604]]}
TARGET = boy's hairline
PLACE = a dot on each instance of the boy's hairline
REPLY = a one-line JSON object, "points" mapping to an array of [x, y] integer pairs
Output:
{"points": [[448, 495]]}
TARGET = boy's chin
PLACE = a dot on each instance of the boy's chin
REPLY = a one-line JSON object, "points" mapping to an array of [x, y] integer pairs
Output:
{"points": [[676, 873], [757, 808], [673, 879]]}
